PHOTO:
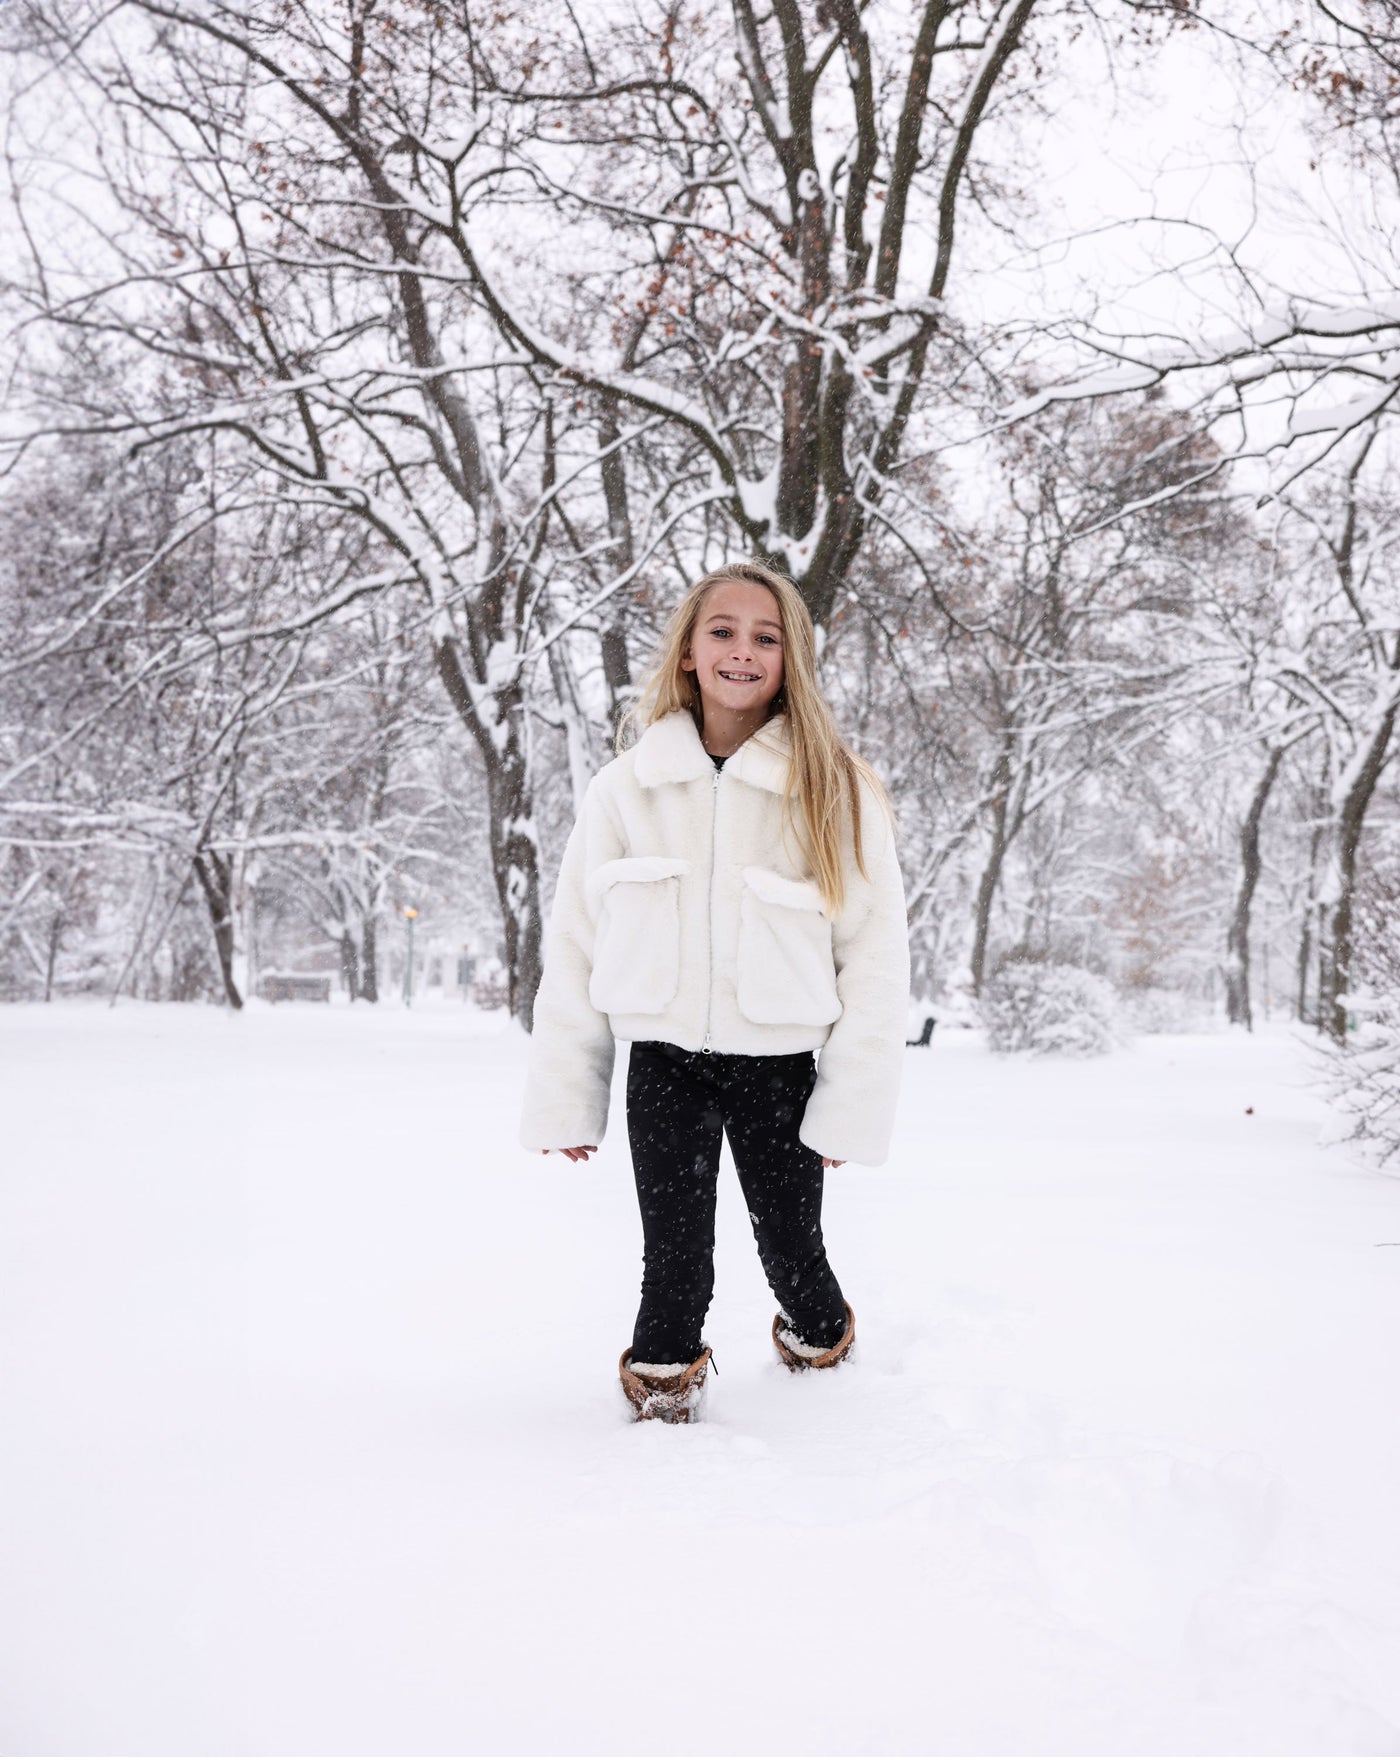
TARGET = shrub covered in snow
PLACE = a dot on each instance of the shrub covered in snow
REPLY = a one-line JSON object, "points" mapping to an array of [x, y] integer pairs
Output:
{"points": [[1155, 1010], [489, 990], [1363, 1082], [1044, 1007], [1362, 1075]]}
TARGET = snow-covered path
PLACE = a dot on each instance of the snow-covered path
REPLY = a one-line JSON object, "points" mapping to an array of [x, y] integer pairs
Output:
{"points": [[311, 1442]]}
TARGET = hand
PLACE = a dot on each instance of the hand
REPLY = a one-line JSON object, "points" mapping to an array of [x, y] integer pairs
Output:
{"points": [[574, 1153], [831, 1164]]}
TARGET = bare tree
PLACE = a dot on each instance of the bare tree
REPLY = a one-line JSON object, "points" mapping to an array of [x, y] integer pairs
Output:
{"points": [[292, 293], [771, 173], [1290, 376], [1320, 675], [1360, 648], [1075, 653]]}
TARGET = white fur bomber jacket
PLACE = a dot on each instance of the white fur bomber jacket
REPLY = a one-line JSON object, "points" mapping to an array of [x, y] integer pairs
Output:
{"points": [[683, 914]]}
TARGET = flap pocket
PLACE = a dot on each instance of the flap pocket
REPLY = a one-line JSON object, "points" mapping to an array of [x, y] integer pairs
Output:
{"points": [[634, 869], [787, 893], [786, 972], [637, 946]]}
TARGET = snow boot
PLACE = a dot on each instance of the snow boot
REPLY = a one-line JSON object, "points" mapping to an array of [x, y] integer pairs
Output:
{"points": [[673, 1396], [797, 1355]]}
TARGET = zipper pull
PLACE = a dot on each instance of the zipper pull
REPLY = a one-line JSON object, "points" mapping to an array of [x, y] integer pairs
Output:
{"points": [[705, 1046]]}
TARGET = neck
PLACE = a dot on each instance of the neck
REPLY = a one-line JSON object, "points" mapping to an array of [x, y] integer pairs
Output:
{"points": [[725, 729]]}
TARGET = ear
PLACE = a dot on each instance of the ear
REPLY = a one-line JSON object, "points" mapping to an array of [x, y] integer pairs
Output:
{"points": [[687, 662]]}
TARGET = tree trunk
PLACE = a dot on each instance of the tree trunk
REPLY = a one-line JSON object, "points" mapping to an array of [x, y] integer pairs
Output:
{"points": [[369, 958], [515, 862], [1304, 964], [617, 668], [991, 872], [1307, 939], [1237, 995], [215, 877], [1334, 980], [55, 934], [349, 964]]}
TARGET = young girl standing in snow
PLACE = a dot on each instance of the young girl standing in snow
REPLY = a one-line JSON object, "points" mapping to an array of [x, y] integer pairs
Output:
{"points": [[729, 902]]}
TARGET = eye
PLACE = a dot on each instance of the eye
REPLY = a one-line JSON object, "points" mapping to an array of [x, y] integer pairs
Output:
{"points": [[772, 639], [721, 633]]}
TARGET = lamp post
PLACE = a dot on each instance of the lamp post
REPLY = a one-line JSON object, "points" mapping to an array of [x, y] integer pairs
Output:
{"points": [[410, 915]]}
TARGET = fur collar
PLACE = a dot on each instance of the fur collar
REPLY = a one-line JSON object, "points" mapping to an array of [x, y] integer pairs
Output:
{"points": [[670, 750]]}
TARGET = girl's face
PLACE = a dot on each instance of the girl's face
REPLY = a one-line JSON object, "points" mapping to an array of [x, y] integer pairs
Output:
{"points": [[736, 649]]}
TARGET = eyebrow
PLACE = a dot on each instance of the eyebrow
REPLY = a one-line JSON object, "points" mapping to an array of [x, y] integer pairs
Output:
{"points": [[762, 622]]}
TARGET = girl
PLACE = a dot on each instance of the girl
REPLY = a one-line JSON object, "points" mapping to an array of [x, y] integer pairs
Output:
{"points": [[729, 902]]}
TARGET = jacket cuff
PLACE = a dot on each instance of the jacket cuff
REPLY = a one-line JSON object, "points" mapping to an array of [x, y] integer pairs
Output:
{"points": [[543, 1133], [829, 1128], [564, 1108]]}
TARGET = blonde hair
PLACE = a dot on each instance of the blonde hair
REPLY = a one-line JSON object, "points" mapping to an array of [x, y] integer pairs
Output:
{"points": [[824, 775]]}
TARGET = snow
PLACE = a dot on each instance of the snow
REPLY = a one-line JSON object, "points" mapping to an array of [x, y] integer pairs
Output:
{"points": [[790, 1339], [1098, 384], [313, 1440], [456, 145], [759, 498], [1339, 416]]}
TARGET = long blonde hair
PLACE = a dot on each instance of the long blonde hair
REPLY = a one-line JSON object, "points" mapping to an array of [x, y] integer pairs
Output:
{"points": [[824, 775]]}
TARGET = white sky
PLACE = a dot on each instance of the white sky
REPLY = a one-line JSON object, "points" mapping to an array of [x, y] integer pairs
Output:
{"points": [[1200, 153]]}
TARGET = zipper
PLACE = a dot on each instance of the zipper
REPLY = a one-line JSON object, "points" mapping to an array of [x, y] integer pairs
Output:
{"points": [[709, 992]]}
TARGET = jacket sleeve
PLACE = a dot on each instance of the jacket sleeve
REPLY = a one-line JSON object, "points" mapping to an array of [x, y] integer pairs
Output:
{"points": [[571, 1044], [850, 1114]]}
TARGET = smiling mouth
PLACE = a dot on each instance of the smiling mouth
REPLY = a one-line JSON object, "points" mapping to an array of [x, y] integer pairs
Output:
{"points": [[739, 676]]}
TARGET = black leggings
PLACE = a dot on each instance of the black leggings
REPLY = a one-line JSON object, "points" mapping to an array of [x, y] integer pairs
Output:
{"points": [[678, 1104]]}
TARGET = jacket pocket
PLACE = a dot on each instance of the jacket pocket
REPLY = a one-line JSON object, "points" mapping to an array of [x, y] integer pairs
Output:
{"points": [[637, 943], [786, 973]]}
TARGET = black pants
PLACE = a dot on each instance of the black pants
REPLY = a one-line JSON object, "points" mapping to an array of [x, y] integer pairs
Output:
{"points": [[679, 1103]]}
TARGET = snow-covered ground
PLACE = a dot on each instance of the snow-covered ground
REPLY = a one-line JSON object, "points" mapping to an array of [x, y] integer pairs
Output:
{"points": [[311, 1441]]}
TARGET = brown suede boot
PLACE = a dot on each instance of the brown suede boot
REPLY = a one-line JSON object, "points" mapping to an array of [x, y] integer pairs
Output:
{"points": [[673, 1397], [796, 1361]]}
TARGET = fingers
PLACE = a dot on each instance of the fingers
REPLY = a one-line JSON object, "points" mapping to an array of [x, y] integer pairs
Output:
{"points": [[831, 1164], [573, 1153]]}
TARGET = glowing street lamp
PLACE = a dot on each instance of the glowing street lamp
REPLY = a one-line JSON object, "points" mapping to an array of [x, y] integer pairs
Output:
{"points": [[410, 915]]}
